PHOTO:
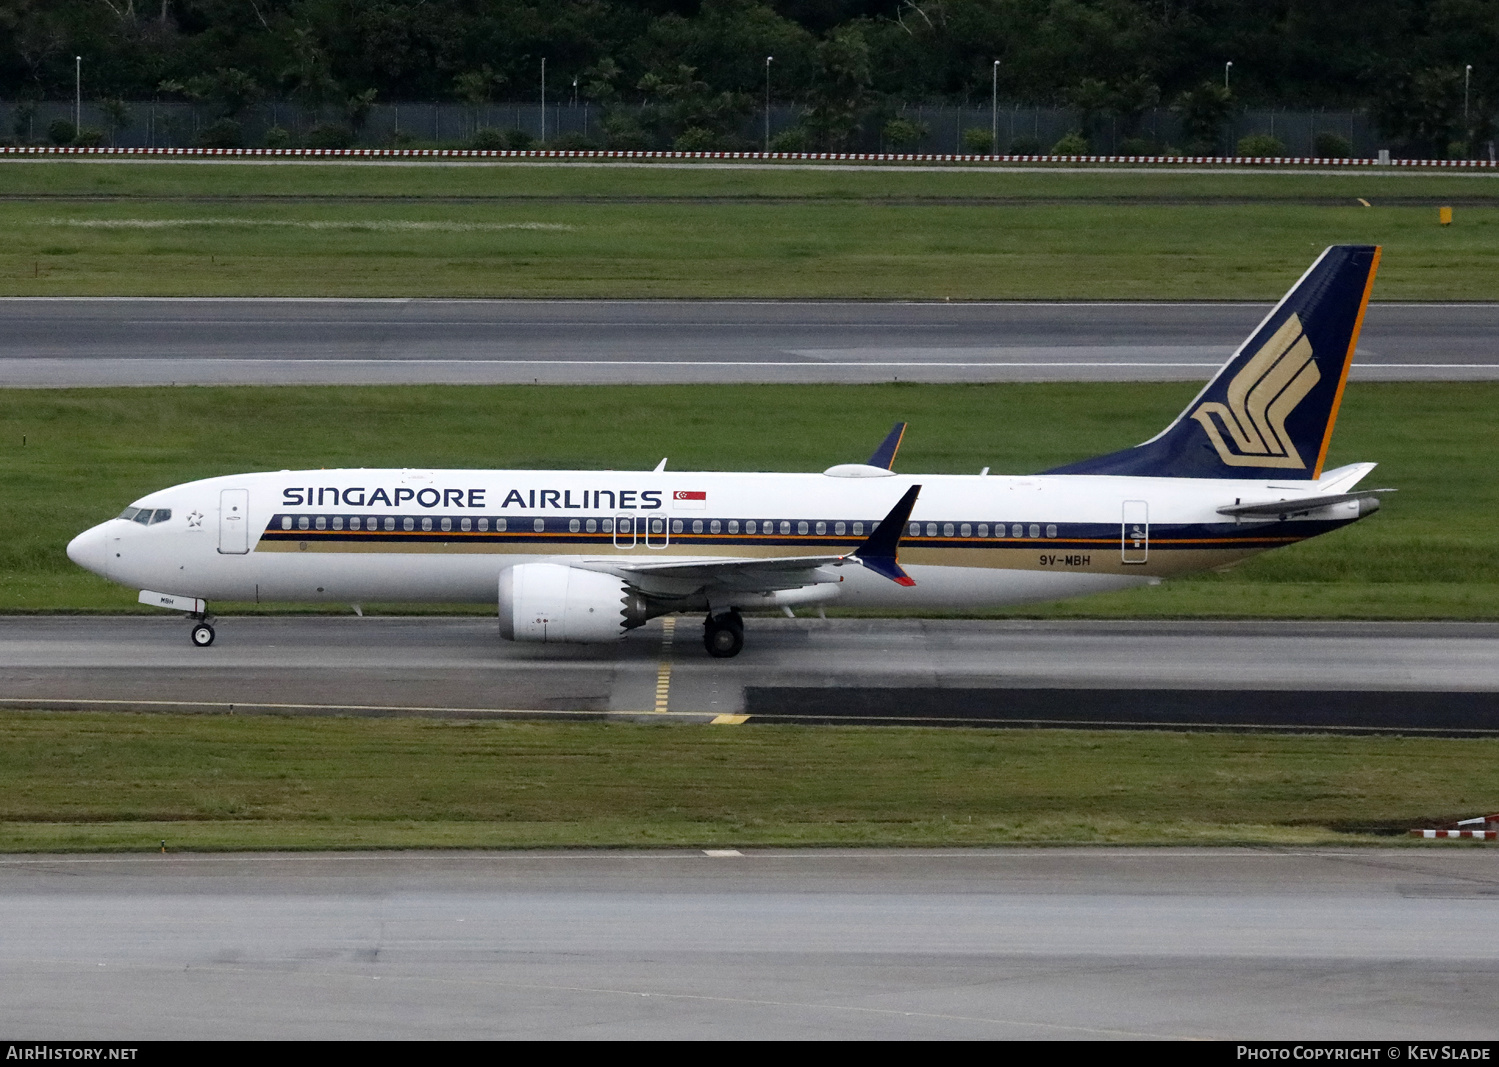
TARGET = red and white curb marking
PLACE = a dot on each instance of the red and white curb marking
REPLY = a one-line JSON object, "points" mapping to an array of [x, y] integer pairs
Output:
{"points": [[774, 157], [1457, 830]]}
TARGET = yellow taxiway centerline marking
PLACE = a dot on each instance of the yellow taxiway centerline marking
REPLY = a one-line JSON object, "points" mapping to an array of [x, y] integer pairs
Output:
{"points": [[663, 672]]}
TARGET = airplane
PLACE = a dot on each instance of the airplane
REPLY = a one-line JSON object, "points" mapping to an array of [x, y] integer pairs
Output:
{"points": [[585, 556]]}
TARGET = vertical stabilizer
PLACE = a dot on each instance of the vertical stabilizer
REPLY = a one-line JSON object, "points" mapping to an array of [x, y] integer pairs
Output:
{"points": [[1270, 411]]}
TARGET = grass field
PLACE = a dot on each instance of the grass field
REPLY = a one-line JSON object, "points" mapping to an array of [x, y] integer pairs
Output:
{"points": [[1429, 554], [130, 781], [306, 230]]}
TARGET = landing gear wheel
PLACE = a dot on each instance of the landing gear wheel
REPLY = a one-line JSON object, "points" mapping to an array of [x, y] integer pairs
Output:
{"points": [[723, 635], [202, 635]]}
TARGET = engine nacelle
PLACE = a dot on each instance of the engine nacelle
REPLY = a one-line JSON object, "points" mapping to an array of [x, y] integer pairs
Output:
{"points": [[551, 602]]}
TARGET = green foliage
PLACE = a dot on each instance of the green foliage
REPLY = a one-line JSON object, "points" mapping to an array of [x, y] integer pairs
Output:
{"points": [[696, 139], [488, 139], [276, 137], [1261, 144], [1204, 110], [330, 135], [1026, 145], [902, 133], [1136, 146], [225, 133], [1074, 144], [1329, 145], [978, 141], [62, 132], [791, 139], [88, 137]]}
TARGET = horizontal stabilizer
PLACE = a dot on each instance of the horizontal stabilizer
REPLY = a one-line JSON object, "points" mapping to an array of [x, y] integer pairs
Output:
{"points": [[1368, 502]]}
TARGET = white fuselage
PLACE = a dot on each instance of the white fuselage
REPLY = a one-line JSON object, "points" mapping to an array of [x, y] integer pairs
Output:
{"points": [[352, 536]]}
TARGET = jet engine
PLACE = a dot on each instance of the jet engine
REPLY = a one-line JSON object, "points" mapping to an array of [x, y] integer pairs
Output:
{"points": [[552, 603]]}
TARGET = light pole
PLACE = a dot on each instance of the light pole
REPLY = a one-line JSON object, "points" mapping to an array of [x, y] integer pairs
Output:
{"points": [[994, 113], [1226, 67], [77, 93], [543, 100], [1467, 77], [768, 60]]}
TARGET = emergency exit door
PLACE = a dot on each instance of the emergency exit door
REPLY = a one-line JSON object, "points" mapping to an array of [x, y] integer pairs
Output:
{"points": [[234, 522], [1134, 534]]}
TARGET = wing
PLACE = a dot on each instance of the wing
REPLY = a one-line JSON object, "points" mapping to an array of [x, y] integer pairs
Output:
{"points": [[682, 577]]}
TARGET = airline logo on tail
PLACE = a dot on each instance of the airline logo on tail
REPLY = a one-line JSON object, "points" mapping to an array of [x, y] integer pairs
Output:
{"points": [[1260, 399]]}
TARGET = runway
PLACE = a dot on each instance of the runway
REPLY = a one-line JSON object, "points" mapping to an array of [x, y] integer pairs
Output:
{"points": [[1354, 677], [98, 342], [1228, 944]]}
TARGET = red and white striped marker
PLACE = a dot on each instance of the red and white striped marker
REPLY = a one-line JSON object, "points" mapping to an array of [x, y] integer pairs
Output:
{"points": [[1481, 835]]}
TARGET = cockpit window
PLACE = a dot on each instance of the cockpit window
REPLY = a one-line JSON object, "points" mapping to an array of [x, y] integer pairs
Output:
{"points": [[146, 516], [162, 515], [129, 514]]}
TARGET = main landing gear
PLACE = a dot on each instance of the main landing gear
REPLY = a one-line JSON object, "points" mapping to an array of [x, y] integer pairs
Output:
{"points": [[723, 634], [202, 633]]}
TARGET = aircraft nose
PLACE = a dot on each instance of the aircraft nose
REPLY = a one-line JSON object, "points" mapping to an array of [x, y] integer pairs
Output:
{"points": [[90, 551]]}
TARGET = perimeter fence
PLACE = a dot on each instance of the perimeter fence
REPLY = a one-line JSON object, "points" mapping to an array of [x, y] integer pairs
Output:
{"points": [[927, 130]]}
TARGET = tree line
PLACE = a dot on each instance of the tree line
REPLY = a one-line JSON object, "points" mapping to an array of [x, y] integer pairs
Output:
{"points": [[690, 73]]}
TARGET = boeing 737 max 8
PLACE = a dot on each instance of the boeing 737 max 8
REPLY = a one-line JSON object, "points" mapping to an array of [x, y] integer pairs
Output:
{"points": [[586, 556]]}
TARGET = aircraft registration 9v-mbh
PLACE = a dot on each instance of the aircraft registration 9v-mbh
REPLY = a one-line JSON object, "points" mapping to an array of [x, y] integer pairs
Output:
{"points": [[583, 556]]}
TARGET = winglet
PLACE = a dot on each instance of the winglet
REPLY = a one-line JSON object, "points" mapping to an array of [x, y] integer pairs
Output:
{"points": [[884, 456], [879, 550]]}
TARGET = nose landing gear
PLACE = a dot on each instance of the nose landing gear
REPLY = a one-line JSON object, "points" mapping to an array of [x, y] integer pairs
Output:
{"points": [[723, 634], [202, 633]]}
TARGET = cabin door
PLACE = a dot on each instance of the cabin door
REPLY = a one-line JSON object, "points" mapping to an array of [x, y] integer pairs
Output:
{"points": [[234, 522], [1134, 536]]}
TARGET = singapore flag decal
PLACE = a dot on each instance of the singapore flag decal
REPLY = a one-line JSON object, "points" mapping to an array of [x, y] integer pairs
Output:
{"points": [[686, 499]]}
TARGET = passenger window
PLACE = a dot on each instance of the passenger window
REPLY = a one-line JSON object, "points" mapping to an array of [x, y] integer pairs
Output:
{"points": [[983, 529], [715, 526], [859, 529], [446, 524], [1017, 530], [915, 529], [591, 525], [302, 523], [539, 525], [354, 523], [1035, 530], [286, 522], [501, 525], [801, 527], [931, 529], [426, 524], [321, 523], [573, 526], [785, 527], [624, 526], [733, 526], [966, 530], [390, 522], [697, 526], [822, 527], [676, 526], [607, 526], [338, 522], [408, 524], [466, 525], [749, 526], [483, 525], [947, 529], [659, 526], [1051, 531], [838, 528]]}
